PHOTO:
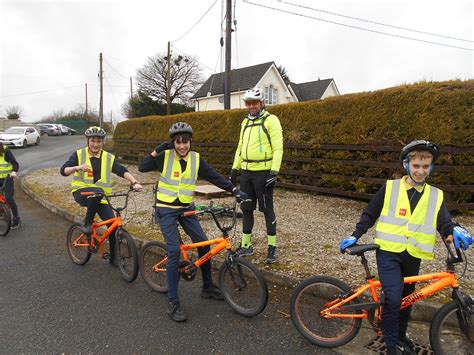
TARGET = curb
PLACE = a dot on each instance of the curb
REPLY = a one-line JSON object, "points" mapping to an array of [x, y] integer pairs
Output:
{"points": [[422, 311]]}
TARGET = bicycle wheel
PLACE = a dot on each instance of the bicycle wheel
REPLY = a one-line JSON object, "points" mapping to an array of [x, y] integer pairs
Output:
{"points": [[243, 287], [78, 254], [308, 299], [127, 255], [5, 219], [154, 254], [452, 330]]}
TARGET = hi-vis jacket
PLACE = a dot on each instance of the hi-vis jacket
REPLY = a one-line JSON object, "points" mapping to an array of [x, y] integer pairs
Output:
{"points": [[175, 184], [83, 179], [260, 144], [5, 166], [399, 229]]}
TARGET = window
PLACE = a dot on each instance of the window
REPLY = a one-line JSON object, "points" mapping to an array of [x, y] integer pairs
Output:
{"points": [[221, 99], [271, 95]]}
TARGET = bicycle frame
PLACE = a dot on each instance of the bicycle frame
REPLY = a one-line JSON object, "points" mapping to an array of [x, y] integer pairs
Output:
{"points": [[112, 225]]}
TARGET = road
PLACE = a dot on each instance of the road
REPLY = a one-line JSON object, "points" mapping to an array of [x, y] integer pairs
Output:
{"points": [[48, 304]]}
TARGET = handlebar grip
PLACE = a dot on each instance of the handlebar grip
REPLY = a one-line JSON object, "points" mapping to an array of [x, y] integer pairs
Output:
{"points": [[189, 213], [88, 193]]}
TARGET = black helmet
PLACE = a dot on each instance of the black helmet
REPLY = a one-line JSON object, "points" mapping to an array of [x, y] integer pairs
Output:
{"points": [[420, 145], [180, 128], [95, 131]]}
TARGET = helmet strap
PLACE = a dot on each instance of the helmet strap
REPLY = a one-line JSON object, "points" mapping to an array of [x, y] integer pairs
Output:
{"points": [[406, 165]]}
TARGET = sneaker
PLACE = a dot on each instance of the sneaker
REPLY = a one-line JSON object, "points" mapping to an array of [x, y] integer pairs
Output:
{"points": [[177, 312], [407, 345], [212, 292], [272, 254], [87, 229], [394, 350], [241, 251], [16, 223]]}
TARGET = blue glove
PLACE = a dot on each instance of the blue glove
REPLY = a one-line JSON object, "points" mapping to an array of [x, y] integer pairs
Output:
{"points": [[462, 239], [346, 243]]}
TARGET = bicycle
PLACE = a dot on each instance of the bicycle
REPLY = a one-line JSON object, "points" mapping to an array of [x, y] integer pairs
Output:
{"points": [[328, 313], [5, 211], [81, 246], [241, 283]]}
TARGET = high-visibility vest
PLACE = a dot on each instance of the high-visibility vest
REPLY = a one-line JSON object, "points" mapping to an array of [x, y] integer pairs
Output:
{"points": [[83, 179], [5, 166], [174, 184], [399, 229]]}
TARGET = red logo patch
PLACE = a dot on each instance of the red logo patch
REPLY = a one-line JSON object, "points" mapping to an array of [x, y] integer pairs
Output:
{"points": [[402, 212], [176, 173], [90, 173]]}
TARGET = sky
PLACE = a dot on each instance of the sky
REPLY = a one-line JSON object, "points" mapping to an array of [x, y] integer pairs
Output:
{"points": [[49, 50]]}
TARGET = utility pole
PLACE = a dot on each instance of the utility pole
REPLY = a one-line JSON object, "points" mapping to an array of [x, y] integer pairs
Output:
{"points": [[131, 89], [228, 32], [87, 113], [168, 75], [101, 102]]}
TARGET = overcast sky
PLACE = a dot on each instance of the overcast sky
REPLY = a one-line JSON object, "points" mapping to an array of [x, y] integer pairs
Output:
{"points": [[50, 49]]}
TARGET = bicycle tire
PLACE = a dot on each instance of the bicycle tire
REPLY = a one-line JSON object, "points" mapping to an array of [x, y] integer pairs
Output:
{"points": [[79, 255], [153, 253], [308, 298], [243, 287], [126, 255], [5, 219], [446, 333]]}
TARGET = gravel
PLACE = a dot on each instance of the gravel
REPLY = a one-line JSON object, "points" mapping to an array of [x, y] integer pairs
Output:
{"points": [[310, 227]]}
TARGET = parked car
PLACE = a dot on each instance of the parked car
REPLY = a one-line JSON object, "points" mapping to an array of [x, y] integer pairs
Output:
{"points": [[71, 131], [64, 129], [20, 136], [53, 130]]}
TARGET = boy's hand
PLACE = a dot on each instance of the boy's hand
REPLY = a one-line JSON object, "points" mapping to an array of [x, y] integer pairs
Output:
{"points": [[233, 176], [346, 243], [462, 239]]}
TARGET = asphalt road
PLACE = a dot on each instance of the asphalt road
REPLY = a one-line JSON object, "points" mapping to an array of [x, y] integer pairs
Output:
{"points": [[48, 304]]}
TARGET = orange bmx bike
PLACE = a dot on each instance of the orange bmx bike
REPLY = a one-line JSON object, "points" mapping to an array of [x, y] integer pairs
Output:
{"points": [[81, 246], [327, 312], [241, 283]]}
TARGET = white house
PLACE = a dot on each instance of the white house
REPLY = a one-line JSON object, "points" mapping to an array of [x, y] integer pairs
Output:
{"points": [[266, 76]]}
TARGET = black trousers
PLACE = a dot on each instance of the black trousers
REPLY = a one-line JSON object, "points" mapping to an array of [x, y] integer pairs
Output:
{"points": [[94, 206], [253, 183], [9, 195]]}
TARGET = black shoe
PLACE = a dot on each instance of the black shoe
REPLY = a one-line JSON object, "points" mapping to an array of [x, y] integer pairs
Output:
{"points": [[16, 223], [177, 312], [272, 254], [241, 251], [394, 350], [407, 345], [212, 292], [87, 229]]}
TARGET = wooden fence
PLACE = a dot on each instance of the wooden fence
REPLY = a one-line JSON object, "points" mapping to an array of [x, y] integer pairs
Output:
{"points": [[299, 160]]}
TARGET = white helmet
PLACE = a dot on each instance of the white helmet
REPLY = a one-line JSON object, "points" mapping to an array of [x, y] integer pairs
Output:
{"points": [[254, 94]]}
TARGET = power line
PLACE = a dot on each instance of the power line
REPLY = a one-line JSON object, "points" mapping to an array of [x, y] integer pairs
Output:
{"points": [[192, 27], [358, 28], [204, 65], [113, 96], [373, 22], [42, 91], [115, 70]]}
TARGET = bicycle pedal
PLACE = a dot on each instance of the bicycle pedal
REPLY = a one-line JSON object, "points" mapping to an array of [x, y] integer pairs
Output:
{"points": [[105, 256]]}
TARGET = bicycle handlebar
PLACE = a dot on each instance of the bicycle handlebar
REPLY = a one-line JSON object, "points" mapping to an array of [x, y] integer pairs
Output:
{"points": [[108, 197], [214, 212]]}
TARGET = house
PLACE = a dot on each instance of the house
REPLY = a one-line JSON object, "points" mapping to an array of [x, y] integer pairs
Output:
{"points": [[266, 76]]}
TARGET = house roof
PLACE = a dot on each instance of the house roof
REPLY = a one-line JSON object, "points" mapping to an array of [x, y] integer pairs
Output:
{"points": [[312, 90], [241, 79]]}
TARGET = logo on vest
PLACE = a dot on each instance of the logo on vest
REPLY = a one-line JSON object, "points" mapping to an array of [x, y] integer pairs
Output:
{"points": [[176, 173], [402, 212], [90, 173]]}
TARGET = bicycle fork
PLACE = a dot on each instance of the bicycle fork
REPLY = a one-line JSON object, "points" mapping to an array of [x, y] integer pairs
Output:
{"points": [[465, 312]]}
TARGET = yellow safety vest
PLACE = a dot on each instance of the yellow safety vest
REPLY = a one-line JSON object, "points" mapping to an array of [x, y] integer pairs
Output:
{"points": [[399, 229], [5, 166], [83, 179], [174, 184]]}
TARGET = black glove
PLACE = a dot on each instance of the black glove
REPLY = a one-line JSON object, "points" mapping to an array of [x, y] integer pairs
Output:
{"points": [[164, 146], [240, 196], [271, 180], [233, 176]]}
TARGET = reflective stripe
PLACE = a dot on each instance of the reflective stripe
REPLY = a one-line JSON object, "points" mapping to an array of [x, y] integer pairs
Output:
{"points": [[393, 220], [4, 165], [167, 192], [391, 237], [186, 192], [392, 207], [191, 181], [169, 181], [430, 213], [427, 248], [421, 228]]}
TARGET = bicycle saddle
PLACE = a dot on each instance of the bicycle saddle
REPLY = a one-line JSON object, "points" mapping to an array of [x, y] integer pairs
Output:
{"points": [[361, 249]]}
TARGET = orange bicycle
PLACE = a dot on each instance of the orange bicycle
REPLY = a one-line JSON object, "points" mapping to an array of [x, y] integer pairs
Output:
{"points": [[241, 283], [5, 212], [81, 246], [327, 312]]}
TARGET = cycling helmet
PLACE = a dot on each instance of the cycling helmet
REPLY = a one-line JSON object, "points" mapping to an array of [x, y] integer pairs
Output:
{"points": [[95, 131], [254, 94], [180, 128], [420, 145]]}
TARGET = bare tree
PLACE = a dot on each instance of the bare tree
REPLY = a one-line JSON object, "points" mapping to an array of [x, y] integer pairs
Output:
{"points": [[13, 112], [185, 77]]}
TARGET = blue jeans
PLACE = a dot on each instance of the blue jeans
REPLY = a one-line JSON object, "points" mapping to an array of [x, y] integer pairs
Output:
{"points": [[392, 268], [168, 219]]}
